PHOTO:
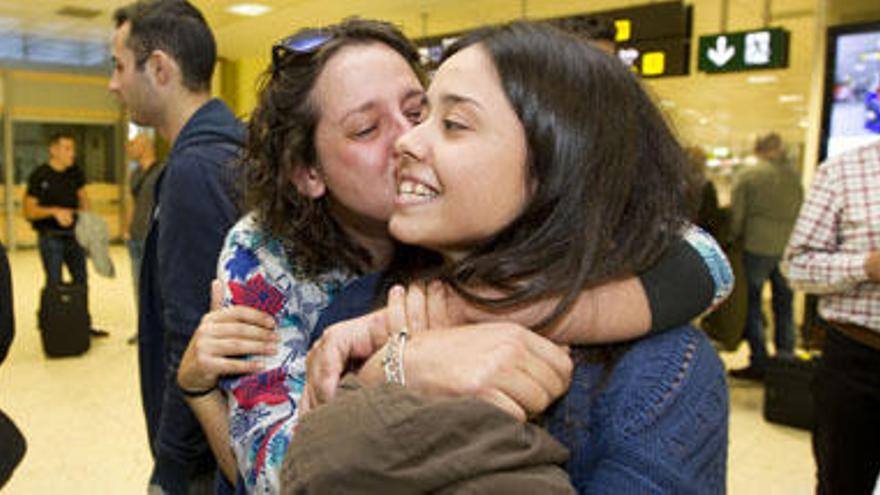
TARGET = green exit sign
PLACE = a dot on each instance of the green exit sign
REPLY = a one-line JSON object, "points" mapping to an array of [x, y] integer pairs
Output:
{"points": [[744, 50]]}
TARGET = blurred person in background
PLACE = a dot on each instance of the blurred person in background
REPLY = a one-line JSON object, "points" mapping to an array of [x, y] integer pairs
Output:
{"points": [[703, 196], [141, 183], [765, 202], [726, 322], [599, 31], [602, 33]]}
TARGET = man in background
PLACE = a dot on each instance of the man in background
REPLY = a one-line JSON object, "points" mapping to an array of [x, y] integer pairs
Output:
{"points": [[55, 192], [764, 204], [834, 252], [164, 55], [141, 183]]}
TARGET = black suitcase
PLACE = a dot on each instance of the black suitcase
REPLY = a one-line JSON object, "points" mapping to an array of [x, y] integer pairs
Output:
{"points": [[788, 395], [64, 320]]}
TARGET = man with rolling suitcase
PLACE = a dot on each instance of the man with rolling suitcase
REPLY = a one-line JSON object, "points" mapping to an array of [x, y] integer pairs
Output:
{"points": [[55, 192]]}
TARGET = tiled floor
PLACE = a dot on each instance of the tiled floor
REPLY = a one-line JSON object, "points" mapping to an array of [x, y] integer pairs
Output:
{"points": [[85, 429]]}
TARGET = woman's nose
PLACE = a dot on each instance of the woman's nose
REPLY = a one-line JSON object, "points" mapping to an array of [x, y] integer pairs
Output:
{"points": [[407, 146]]}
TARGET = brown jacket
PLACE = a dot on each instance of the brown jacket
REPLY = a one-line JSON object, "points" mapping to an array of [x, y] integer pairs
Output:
{"points": [[389, 440]]}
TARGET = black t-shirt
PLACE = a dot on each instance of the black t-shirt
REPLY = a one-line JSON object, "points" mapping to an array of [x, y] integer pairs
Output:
{"points": [[53, 188]]}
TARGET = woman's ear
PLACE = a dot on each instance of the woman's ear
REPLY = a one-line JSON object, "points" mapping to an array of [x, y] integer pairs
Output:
{"points": [[308, 181], [533, 187]]}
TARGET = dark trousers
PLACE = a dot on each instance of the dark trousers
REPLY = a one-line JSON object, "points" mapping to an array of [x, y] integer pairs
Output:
{"points": [[846, 438], [177, 480], [58, 250], [760, 269]]}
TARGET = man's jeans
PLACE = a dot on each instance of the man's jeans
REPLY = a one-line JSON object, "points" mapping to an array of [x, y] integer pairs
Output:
{"points": [[759, 268], [58, 250]]}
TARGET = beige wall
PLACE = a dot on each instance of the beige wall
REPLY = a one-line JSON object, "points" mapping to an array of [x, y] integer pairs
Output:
{"points": [[55, 96], [59, 97], [244, 74]]}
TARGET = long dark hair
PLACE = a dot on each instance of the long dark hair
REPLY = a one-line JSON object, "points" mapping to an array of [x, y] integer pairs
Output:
{"points": [[609, 174], [280, 139]]}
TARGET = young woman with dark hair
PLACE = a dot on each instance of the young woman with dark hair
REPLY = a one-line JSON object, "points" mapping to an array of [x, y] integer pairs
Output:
{"points": [[320, 168], [540, 167]]}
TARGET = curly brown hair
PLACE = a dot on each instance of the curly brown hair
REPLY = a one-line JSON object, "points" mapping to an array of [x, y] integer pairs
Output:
{"points": [[281, 139]]}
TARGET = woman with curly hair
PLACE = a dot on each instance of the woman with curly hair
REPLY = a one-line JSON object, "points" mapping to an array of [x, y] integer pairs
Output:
{"points": [[320, 169]]}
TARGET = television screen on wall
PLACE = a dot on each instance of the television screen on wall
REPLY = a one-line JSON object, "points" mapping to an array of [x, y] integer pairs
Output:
{"points": [[851, 113]]}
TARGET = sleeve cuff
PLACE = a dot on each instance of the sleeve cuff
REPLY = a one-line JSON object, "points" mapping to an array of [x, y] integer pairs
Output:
{"points": [[679, 287]]}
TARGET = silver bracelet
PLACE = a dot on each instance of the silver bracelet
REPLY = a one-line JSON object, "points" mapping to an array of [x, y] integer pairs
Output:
{"points": [[392, 361]]}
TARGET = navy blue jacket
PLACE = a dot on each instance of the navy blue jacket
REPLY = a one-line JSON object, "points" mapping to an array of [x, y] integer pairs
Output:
{"points": [[195, 205], [657, 423]]}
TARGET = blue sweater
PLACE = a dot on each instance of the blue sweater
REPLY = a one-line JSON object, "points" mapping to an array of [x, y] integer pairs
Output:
{"points": [[195, 206], [657, 423]]}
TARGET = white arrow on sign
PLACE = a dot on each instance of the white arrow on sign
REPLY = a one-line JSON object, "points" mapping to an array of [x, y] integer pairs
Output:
{"points": [[720, 54]]}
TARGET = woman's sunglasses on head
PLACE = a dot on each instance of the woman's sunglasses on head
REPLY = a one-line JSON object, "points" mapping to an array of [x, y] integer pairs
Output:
{"points": [[305, 42]]}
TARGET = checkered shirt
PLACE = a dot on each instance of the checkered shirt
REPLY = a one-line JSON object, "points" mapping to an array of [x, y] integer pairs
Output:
{"points": [[838, 226]]}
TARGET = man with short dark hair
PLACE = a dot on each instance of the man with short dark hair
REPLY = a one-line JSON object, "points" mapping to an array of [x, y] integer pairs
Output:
{"points": [[164, 56], [55, 192]]}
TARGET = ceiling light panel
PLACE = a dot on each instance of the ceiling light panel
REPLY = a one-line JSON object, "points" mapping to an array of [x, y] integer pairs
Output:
{"points": [[78, 12], [248, 9]]}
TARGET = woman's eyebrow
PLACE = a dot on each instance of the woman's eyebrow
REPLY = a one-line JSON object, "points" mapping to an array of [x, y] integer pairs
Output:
{"points": [[417, 94], [454, 99], [365, 107]]}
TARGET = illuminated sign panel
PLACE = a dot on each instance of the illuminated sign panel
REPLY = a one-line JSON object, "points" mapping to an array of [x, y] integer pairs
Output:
{"points": [[624, 30], [653, 39], [744, 50]]}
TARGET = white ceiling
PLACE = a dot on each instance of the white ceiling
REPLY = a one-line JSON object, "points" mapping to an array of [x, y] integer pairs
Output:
{"points": [[708, 109], [41, 18]]}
